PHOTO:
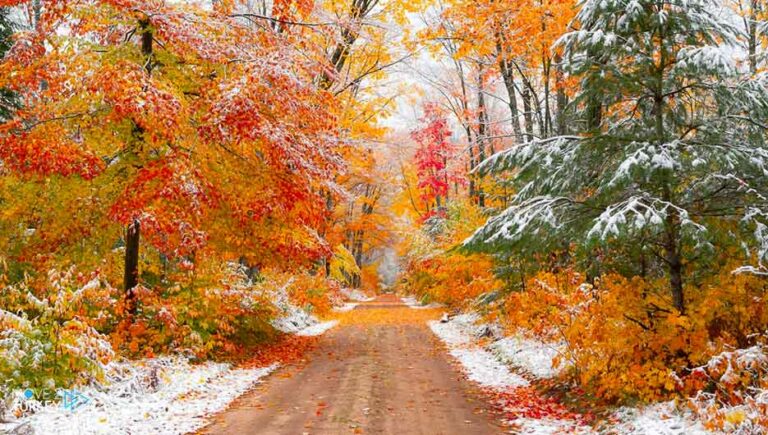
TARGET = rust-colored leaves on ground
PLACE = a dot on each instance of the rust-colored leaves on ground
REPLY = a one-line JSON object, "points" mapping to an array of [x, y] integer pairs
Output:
{"points": [[528, 402], [375, 315], [286, 350], [320, 408]]}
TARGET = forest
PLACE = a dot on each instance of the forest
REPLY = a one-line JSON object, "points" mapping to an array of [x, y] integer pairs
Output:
{"points": [[197, 193]]}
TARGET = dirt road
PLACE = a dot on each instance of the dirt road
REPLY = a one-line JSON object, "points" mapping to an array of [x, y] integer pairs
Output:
{"points": [[379, 372]]}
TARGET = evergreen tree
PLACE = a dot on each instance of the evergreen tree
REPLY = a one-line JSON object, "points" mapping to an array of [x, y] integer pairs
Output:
{"points": [[676, 163], [8, 101]]}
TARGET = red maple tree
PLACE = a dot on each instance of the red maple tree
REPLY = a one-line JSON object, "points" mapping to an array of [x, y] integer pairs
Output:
{"points": [[434, 157]]}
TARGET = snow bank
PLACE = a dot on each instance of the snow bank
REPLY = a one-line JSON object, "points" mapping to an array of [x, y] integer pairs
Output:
{"points": [[533, 356], [161, 396], [292, 319], [484, 369], [488, 367], [480, 365], [349, 306], [299, 322], [166, 395], [355, 295], [658, 419], [317, 329], [415, 304], [548, 426]]}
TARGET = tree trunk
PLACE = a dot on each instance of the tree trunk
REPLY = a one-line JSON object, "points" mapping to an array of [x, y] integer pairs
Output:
{"points": [[752, 35], [562, 99], [472, 164], [482, 129], [508, 75], [359, 10], [528, 115], [594, 113], [37, 12], [446, 181], [672, 224], [133, 232], [674, 263], [546, 130], [358, 253], [131, 272]]}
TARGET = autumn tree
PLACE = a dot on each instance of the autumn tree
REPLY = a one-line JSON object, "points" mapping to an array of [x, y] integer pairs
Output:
{"points": [[175, 127], [517, 37], [435, 158], [358, 52]]}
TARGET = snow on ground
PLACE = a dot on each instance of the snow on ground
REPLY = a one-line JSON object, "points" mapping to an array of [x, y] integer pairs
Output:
{"points": [[349, 306], [547, 426], [317, 329], [658, 419], [166, 395], [413, 303], [489, 371], [355, 295], [292, 319], [481, 366], [160, 396], [488, 367], [532, 356]]}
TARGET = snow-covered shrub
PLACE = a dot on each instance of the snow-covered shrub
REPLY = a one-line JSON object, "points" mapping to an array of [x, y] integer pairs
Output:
{"points": [[733, 391], [220, 317], [454, 280], [51, 342], [434, 275], [613, 344], [622, 341], [313, 293]]}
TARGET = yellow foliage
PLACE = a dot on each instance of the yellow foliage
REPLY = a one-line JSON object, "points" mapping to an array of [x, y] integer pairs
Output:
{"points": [[454, 280], [623, 341], [343, 264], [313, 292], [369, 276]]}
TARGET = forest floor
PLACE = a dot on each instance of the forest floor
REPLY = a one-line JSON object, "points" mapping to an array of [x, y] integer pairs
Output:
{"points": [[381, 371]]}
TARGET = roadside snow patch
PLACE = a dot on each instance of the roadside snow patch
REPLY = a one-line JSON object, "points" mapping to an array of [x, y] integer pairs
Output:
{"points": [[484, 369], [413, 303], [480, 365], [349, 306], [532, 356], [292, 319], [317, 329], [489, 369], [162, 396], [355, 295], [548, 426], [410, 301], [658, 419]]}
